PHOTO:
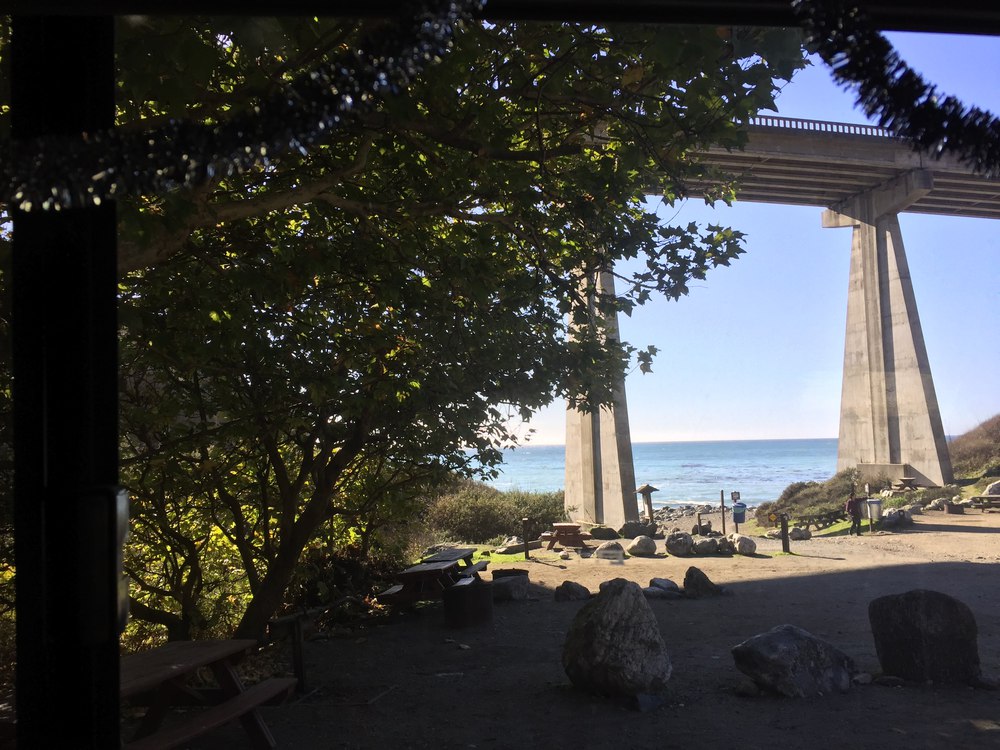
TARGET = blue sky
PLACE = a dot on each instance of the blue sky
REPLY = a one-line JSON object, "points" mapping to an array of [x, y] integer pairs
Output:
{"points": [[755, 351]]}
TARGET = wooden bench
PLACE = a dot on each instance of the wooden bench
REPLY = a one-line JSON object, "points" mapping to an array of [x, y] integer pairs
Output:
{"points": [[471, 572], [263, 693], [822, 520], [985, 503], [566, 535], [158, 678]]}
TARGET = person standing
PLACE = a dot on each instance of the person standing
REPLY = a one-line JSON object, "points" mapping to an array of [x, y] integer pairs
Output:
{"points": [[853, 508]]}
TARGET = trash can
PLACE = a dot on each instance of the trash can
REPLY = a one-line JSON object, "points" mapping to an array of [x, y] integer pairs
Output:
{"points": [[468, 605], [874, 509], [739, 512]]}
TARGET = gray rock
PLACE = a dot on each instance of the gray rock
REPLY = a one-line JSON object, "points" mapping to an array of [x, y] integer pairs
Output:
{"points": [[794, 663], [603, 532], [632, 529], [664, 583], [743, 544], [519, 547], [895, 518], [925, 635], [614, 646], [510, 588], [703, 530], [642, 546], [798, 534], [705, 546], [610, 551], [571, 591], [697, 585], [993, 489], [679, 544], [725, 546]]}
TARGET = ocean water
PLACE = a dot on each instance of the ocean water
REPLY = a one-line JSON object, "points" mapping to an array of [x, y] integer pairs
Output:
{"points": [[690, 472]]}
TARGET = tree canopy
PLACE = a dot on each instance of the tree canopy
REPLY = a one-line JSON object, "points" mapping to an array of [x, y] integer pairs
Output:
{"points": [[312, 341]]}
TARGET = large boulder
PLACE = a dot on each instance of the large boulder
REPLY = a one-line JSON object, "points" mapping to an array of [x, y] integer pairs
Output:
{"points": [[641, 546], [704, 529], [666, 584], [925, 635], [993, 489], [571, 591], [743, 544], [510, 588], [614, 646], [708, 545], [632, 529], [697, 585], [610, 551], [798, 534], [679, 544], [603, 532], [794, 663], [663, 588], [725, 546]]}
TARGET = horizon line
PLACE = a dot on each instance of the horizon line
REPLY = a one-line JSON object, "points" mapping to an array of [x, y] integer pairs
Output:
{"points": [[530, 443]]}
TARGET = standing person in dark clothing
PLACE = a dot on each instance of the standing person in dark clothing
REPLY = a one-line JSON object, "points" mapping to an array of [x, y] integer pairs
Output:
{"points": [[853, 508]]}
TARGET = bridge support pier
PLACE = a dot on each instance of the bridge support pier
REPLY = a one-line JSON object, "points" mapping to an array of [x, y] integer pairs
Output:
{"points": [[600, 476], [890, 423]]}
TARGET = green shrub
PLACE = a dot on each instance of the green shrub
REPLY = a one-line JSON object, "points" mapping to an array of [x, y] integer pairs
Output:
{"points": [[813, 498], [477, 513], [976, 454]]}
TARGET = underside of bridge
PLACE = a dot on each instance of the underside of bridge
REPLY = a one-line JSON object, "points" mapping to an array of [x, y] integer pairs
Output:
{"points": [[890, 423]]}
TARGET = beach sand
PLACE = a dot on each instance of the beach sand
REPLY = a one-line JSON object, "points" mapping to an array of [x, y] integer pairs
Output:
{"points": [[415, 683]]}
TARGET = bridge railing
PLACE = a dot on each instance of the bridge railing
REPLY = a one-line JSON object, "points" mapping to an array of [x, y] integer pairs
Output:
{"points": [[819, 126]]}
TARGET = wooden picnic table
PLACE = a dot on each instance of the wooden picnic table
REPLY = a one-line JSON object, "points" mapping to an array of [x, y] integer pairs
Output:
{"points": [[567, 535], [906, 483], [463, 556], [426, 580], [429, 578], [985, 503], [159, 679]]}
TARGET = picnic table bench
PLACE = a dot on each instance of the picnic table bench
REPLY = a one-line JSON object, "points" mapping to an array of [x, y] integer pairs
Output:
{"points": [[159, 679], [566, 535], [463, 556], [822, 520], [985, 503], [430, 578]]}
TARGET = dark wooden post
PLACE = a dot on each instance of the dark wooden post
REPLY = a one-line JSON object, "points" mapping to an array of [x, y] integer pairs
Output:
{"points": [[785, 546], [722, 508], [65, 405], [524, 536], [647, 491]]}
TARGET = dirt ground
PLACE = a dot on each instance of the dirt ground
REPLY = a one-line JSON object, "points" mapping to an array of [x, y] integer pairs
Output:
{"points": [[413, 682]]}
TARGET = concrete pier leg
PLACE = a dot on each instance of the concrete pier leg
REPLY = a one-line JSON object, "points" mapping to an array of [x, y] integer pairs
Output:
{"points": [[600, 476], [890, 423]]}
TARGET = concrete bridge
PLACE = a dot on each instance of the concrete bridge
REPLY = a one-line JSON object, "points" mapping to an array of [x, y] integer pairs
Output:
{"points": [[863, 177]]}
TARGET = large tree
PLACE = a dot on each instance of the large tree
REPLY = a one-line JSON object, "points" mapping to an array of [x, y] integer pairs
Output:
{"points": [[370, 311]]}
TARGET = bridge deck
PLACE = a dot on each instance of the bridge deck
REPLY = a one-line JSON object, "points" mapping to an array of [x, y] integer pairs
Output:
{"points": [[811, 163]]}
